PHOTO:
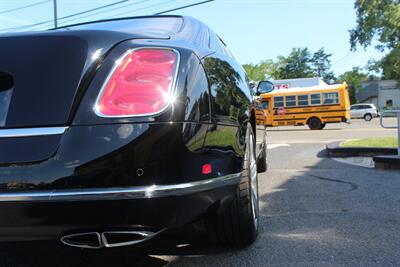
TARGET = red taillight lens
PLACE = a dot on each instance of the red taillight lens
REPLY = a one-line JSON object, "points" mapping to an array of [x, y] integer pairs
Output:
{"points": [[141, 84], [206, 168]]}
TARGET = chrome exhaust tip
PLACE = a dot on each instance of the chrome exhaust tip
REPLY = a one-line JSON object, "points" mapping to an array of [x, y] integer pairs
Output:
{"points": [[112, 239], [83, 240], [108, 239]]}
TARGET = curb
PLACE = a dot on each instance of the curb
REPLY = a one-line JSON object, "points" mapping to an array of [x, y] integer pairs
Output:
{"points": [[335, 151], [387, 162]]}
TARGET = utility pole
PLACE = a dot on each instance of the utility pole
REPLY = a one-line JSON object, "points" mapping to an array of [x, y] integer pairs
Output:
{"points": [[55, 13]]}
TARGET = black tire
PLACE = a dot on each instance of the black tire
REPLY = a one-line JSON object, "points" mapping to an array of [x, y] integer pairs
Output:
{"points": [[367, 117], [238, 225], [322, 126], [262, 161], [314, 124]]}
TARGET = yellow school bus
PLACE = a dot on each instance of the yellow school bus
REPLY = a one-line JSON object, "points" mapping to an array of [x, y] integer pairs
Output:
{"points": [[313, 106]]}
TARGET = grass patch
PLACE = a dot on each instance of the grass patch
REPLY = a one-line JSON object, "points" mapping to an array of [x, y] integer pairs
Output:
{"points": [[371, 142]]}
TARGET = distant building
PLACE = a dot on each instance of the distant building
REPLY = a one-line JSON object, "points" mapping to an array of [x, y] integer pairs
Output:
{"points": [[301, 82], [384, 94]]}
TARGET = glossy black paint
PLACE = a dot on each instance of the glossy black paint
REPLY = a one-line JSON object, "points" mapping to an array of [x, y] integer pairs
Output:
{"points": [[206, 124], [49, 220]]}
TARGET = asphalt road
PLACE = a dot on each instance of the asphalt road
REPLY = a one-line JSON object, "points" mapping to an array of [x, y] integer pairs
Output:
{"points": [[314, 212]]}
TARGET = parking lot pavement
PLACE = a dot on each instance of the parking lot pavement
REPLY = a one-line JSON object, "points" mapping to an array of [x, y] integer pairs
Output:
{"points": [[314, 212]]}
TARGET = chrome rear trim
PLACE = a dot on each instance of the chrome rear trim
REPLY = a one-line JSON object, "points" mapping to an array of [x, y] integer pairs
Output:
{"points": [[143, 237], [25, 132], [138, 192]]}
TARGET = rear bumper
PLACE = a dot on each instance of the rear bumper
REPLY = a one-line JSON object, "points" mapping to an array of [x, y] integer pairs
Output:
{"points": [[136, 192], [50, 215]]}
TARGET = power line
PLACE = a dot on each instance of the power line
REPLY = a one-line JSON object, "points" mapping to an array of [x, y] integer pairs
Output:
{"points": [[117, 8], [24, 7], [345, 59], [65, 17], [140, 9], [183, 7], [106, 11], [166, 11], [89, 15]]}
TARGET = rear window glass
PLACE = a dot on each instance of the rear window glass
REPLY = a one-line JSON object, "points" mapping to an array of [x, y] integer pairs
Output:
{"points": [[278, 101], [366, 106], [161, 25], [331, 98]]}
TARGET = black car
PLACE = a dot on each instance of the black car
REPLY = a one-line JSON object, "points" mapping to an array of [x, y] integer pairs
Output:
{"points": [[113, 132]]}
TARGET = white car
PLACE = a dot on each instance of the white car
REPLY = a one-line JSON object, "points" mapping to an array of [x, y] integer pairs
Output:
{"points": [[365, 111]]}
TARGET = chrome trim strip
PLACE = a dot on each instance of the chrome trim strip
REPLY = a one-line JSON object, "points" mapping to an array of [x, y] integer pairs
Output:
{"points": [[146, 235], [171, 89], [26, 132], [65, 241], [138, 192]]}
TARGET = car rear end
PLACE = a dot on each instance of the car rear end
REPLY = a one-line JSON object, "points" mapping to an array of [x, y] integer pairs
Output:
{"points": [[373, 110], [97, 148]]}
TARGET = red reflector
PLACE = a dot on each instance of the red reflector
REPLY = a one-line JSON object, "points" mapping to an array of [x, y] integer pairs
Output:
{"points": [[141, 84], [206, 168]]}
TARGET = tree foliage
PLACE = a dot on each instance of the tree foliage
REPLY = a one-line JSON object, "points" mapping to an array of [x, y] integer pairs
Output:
{"points": [[321, 64], [295, 65], [354, 78], [300, 63], [260, 71], [380, 20], [376, 18]]}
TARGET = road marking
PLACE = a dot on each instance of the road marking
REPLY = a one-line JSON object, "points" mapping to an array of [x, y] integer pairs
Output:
{"points": [[271, 146]]}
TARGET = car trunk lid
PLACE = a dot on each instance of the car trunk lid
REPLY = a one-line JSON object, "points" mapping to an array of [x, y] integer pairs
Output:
{"points": [[49, 71]]}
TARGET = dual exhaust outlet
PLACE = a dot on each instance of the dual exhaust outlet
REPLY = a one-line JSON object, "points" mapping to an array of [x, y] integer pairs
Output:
{"points": [[108, 239]]}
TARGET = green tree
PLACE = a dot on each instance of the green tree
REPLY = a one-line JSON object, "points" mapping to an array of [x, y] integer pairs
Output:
{"points": [[354, 78], [260, 71], [295, 65], [380, 20], [388, 66], [321, 64], [300, 63]]}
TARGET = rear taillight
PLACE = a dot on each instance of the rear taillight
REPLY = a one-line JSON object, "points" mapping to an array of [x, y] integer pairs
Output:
{"points": [[140, 84]]}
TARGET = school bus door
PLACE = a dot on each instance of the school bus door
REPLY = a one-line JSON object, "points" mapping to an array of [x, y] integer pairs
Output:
{"points": [[266, 103]]}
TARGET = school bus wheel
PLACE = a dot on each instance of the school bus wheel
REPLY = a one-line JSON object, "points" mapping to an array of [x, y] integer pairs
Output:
{"points": [[314, 123]]}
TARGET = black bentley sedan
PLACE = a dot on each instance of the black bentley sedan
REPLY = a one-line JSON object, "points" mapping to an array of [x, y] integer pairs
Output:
{"points": [[116, 131]]}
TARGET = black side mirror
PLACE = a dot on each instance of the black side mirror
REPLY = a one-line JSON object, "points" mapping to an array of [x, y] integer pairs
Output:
{"points": [[264, 87]]}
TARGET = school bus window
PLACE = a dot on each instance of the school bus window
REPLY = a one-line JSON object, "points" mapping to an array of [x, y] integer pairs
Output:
{"points": [[265, 104], [302, 100], [331, 98], [278, 101], [316, 99], [290, 101]]}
